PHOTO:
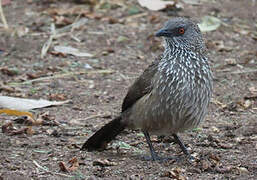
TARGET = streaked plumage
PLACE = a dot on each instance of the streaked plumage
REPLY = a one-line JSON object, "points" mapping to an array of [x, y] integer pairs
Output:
{"points": [[172, 95]]}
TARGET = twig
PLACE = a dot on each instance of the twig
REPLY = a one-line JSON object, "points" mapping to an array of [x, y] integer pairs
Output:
{"points": [[46, 170], [242, 72], [2, 16], [56, 76], [40, 167], [48, 43], [95, 116]]}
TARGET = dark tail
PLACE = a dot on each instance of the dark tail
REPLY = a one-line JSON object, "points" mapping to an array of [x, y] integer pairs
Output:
{"points": [[103, 136]]}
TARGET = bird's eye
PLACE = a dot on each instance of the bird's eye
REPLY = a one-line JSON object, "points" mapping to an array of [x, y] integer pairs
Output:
{"points": [[181, 30]]}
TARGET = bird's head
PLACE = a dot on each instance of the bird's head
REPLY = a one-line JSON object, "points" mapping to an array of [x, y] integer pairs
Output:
{"points": [[182, 32]]}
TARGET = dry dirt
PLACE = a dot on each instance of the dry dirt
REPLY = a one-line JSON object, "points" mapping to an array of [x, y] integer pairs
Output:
{"points": [[225, 145]]}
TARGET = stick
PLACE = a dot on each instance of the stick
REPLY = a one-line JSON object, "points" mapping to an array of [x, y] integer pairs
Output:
{"points": [[242, 72], [46, 170], [2, 16], [107, 71]]}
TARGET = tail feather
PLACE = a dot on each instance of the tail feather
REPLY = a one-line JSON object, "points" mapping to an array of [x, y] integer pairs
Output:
{"points": [[103, 136]]}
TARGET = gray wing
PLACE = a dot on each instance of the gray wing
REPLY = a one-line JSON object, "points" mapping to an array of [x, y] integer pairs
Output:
{"points": [[141, 87]]}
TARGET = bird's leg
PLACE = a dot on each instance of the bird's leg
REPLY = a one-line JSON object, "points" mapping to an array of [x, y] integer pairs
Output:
{"points": [[182, 146], [153, 153]]}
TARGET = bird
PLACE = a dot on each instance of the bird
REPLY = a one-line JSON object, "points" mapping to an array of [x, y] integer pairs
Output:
{"points": [[171, 96]]}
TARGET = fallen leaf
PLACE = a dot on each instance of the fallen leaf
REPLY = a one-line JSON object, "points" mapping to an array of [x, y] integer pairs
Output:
{"points": [[28, 121], [242, 170], [59, 97], [9, 71], [30, 131], [175, 173], [27, 104], [72, 51], [218, 103], [209, 23], [245, 103], [10, 130], [155, 5], [74, 164], [73, 167], [63, 167], [62, 21], [47, 119], [7, 127]]}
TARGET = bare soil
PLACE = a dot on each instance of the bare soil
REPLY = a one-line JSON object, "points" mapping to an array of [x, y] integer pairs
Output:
{"points": [[123, 45]]}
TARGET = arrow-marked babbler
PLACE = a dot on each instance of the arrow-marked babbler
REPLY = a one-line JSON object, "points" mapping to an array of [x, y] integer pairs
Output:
{"points": [[172, 94]]}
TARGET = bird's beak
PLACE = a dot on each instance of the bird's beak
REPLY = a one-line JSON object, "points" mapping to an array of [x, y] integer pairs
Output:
{"points": [[163, 32]]}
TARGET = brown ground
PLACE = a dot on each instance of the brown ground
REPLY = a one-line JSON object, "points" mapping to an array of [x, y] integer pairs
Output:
{"points": [[225, 145]]}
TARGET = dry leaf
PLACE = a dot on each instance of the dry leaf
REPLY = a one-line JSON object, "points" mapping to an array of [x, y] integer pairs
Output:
{"points": [[7, 127], [59, 97], [9, 71], [245, 103], [218, 103], [242, 170], [8, 89], [74, 165], [28, 121], [175, 173], [30, 131], [27, 104], [156, 5], [63, 167], [209, 23], [10, 130], [62, 21]]}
